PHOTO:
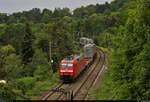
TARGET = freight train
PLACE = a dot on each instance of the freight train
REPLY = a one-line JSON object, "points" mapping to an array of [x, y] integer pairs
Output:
{"points": [[71, 67]]}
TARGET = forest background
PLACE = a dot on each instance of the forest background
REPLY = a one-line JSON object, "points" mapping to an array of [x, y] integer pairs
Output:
{"points": [[121, 27]]}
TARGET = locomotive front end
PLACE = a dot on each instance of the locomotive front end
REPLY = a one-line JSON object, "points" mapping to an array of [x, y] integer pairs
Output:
{"points": [[66, 70]]}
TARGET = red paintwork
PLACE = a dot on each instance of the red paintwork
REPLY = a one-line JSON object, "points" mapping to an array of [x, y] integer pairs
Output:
{"points": [[77, 67]]}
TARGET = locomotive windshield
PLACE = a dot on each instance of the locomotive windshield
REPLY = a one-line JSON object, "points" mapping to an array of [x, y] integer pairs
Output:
{"points": [[67, 65]]}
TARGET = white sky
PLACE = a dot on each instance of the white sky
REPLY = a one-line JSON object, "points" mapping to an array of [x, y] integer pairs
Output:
{"points": [[10, 6]]}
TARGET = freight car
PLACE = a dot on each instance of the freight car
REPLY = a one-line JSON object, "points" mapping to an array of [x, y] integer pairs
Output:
{"points": [[83, 41], [71, 67], [89, 50]]}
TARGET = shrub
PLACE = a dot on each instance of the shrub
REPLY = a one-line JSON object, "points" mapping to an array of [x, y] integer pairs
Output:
{"points": [[5, 93], [25, 84]]}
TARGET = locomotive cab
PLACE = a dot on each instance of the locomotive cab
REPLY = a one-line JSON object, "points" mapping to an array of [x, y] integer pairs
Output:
{"points": [[66, 69]]}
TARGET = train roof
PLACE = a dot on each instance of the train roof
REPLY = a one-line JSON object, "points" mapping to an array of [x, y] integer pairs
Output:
{"points": [[84, 38], [73, 57], [89, 45]]}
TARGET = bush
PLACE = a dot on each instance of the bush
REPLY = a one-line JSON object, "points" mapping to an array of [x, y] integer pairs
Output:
{"points": [[25, 84], [42, 86], [43, 73], [5, 93]]}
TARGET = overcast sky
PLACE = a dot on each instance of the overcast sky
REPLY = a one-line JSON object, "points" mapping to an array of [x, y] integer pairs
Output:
{"points": [[10, 6]]}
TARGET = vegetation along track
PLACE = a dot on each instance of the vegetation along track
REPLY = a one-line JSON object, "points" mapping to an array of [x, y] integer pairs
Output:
{"points": [[83, 83]]}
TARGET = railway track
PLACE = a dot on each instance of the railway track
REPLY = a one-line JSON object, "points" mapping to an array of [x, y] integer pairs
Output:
{"points": [[82, 95], [81, 86]]}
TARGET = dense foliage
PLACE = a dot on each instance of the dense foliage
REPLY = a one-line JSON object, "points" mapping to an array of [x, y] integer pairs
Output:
{"points": [[129, 73], [121, 26]]}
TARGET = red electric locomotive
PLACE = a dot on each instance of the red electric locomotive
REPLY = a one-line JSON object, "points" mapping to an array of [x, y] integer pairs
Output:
{"points": [[71, 67]]}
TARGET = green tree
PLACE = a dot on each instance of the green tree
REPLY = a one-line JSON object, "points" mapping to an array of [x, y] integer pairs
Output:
{"points": [[13, 34], [61, 12], [12, 68], [42, 42], [11, 19], [27, 50], [46, 18], [23, 19], [80, 12], [47, 11], [3, 18], [5, 93], [40, 61], [5, 51], [33, 15]]}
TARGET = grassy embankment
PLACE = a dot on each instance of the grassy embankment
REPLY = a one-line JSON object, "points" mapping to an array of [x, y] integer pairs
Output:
{"points": [[102, 91], [31, 87]]}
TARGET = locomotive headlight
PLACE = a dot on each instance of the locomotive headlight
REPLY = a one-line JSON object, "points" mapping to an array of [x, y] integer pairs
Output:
{"points": [[62, 71], [70, 70]]}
